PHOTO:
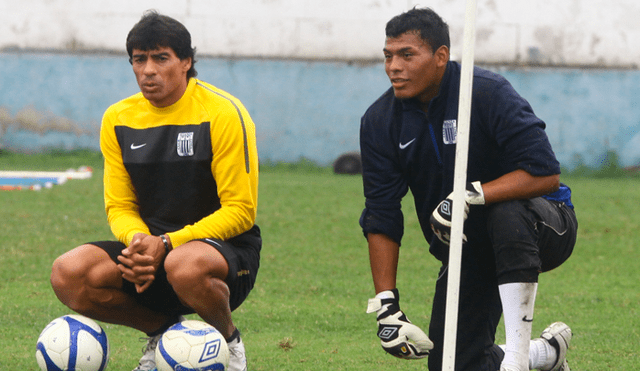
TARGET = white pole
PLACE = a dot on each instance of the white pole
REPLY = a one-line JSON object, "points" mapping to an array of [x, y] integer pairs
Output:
{"points": [[459, 185]]}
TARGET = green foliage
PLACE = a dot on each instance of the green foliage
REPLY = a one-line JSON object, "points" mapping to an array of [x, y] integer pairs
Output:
{"points": [[303, 165], [307, 311], [610, 167], [56, 160]]}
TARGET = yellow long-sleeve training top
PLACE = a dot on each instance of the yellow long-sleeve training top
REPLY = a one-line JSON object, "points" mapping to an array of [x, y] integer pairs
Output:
{"points": [[189, 170]]}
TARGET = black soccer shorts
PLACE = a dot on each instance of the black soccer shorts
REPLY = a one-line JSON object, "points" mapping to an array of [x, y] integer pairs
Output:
{"points": [[241, 252], [530, 235]]}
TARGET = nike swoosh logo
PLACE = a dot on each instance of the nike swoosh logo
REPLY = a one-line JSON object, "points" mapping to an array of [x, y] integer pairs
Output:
{"points": [[525, 319], [405, 145], [134, 147]]}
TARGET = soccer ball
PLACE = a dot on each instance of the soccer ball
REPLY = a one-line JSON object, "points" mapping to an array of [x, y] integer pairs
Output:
{"points": [[72, 343], [190, 346]]}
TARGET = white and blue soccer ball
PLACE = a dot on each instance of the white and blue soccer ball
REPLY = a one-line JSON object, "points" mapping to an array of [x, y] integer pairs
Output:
{"points": [[72, 343], [192, 345]]}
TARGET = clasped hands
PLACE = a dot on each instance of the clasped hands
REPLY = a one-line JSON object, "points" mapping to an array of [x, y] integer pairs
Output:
{"points": [[140, 261]]}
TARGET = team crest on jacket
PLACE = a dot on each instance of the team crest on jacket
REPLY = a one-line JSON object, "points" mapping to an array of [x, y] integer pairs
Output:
{"points": [[449, 131], [185, 144]]}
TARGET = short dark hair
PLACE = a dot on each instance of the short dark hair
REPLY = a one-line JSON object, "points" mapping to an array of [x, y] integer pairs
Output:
{"points": [[155, 30], [425, 22]]}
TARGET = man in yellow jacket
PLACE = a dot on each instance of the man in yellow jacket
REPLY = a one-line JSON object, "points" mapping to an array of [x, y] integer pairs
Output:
{"points": [[181, 192]]}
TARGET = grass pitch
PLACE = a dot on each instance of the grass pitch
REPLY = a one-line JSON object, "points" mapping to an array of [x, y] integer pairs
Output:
{"points": [[307, 311]]}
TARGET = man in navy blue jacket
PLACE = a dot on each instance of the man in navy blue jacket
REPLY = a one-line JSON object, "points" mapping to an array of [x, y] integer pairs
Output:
{"points": [[519, 217]]}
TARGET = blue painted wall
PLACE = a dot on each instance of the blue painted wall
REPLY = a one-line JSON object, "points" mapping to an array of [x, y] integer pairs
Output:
{"points": [[303, 109], [588, 112]]}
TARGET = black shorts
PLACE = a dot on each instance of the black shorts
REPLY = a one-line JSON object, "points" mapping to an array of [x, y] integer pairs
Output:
{"points": [[533, 234], [241, 252]]}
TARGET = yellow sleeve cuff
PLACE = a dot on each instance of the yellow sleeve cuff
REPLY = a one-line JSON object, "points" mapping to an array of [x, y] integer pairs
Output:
{"points": [[180, 237]]}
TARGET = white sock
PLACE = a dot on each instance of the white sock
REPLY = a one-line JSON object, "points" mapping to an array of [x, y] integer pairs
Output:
{"points": [[542, 355], [518, 300]]}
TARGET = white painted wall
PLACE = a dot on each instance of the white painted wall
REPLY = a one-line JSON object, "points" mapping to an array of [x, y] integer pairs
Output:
{"points": [[602, 33]]}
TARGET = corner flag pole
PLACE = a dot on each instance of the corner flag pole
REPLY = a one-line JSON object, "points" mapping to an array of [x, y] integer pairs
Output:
{"points": [[459, 185]]}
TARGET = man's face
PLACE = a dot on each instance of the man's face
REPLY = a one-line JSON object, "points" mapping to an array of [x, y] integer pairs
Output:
{"points": [[161, 75], [414, 70]]}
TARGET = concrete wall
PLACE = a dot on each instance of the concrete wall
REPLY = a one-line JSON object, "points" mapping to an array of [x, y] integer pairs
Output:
{"points": [[61, 65], [573, 32], [303, 108]]}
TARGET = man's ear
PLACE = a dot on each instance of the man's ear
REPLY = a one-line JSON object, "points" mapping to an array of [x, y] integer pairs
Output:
{"points": [[186, 64], [442, 55]]}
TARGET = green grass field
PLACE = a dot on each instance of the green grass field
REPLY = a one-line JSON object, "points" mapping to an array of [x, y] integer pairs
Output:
{"points": [[307, 311]]}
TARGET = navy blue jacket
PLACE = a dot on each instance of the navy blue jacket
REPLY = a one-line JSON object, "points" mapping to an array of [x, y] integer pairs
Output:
{"points": [[403, 148]]}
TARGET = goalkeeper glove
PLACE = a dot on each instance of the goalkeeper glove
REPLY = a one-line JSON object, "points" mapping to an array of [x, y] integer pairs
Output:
{"points": [[398, 336], [441, 217]]}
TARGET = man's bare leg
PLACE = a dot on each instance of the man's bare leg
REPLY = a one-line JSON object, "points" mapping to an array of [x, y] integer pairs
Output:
{"points": [[87, 281]]}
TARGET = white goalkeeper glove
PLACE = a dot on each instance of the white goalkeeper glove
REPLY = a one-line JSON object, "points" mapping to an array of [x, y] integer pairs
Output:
{"points": [[398, 336], [441, 217]]}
